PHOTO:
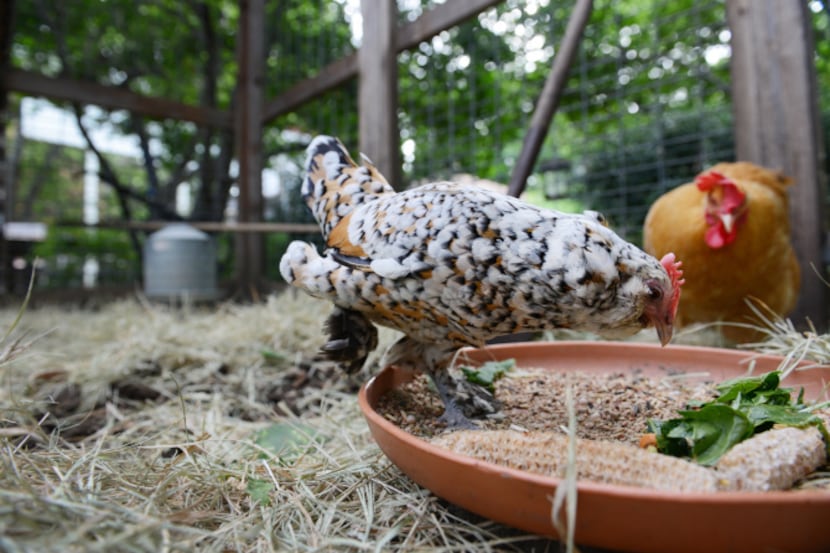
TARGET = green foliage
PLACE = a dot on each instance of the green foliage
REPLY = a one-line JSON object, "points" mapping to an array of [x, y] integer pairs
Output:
{"points": [[154, 47], [48, 186], [184, 51], [303, 36], [704, 435], [487, 374], [623, 183], [646, 105], [65, 251], [457, 95], [758, 390], [744, 407], [260, 491], [286, 441], [275, 358], [535, 194]]}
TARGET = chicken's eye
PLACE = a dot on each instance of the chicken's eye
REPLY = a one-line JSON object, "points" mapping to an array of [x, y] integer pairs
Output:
{"points": [[655, 292]]}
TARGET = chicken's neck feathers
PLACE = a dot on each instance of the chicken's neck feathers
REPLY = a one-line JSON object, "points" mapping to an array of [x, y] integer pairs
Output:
{"points": [[335, 185]]}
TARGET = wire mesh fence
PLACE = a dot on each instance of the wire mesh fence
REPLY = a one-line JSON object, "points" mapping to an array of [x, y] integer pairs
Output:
{"points": [[647, 106]]}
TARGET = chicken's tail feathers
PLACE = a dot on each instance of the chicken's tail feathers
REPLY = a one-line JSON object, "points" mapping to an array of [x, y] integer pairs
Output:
{"points": [[334, 184], [303, 267], [321, 276]]}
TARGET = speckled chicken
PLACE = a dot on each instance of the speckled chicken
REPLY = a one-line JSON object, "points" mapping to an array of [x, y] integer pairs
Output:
{"points": [[452, 266]]}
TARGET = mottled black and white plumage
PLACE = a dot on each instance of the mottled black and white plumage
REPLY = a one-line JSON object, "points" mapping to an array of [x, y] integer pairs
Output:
{"points": [[452, 265]]}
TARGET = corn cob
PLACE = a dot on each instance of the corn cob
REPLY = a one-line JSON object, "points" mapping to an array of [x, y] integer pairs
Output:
{"points": [[772, 460], [598, 461]]}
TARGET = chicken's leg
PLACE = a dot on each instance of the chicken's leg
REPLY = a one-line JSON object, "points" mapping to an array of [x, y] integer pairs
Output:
{"points": [[448, 390]]}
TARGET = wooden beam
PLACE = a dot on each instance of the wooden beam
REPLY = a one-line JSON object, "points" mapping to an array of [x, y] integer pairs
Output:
{"points": [[248, 121], [409, 35], [777, 125], [206, 226], [548, 101], [440, 18], [378, 88], [430, 23], [330, 77], [86, 92], [6, 169]]}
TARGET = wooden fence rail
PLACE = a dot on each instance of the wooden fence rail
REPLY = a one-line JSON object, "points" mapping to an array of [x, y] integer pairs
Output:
{"points": [[207, 226]]}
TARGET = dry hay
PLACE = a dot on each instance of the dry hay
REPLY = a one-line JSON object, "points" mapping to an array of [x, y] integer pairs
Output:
{"points": [[143, 427], [140, 427]]}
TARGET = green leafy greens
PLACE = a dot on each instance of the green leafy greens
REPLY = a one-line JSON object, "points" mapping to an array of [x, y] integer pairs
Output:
{"points": [[487, 374], [744, 407]]}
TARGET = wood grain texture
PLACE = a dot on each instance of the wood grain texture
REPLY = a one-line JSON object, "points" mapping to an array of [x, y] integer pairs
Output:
{"points": [[777, 124]]}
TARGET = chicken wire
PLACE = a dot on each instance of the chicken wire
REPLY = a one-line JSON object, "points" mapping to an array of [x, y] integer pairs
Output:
{"points": [[326, 37], [291, 133], [645, 107], [821, 29]]}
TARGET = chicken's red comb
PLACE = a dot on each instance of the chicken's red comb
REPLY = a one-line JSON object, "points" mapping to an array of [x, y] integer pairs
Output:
{"points": [[672, 267], [710, 179], [733, 196]]}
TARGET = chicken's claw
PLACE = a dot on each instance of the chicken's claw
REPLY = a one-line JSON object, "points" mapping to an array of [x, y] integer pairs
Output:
{"points": [[352, 337]]}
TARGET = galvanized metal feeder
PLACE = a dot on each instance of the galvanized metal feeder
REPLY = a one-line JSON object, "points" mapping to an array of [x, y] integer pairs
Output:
{"points": [[180, 264]]}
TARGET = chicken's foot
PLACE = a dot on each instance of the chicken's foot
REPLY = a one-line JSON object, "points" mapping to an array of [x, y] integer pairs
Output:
{"points": [[462, 400]]}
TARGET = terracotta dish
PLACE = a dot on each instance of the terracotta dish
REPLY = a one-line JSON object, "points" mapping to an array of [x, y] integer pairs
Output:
{"points": [[616, 517]]}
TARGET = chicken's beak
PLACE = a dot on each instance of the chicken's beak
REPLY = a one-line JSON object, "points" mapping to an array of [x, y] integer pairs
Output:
{"points": [[660, 306], [665, 330], [663, 323], [728, 221]]}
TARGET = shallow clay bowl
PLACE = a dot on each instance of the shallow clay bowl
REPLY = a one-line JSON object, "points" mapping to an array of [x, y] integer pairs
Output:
{"points": [[616, 517]]}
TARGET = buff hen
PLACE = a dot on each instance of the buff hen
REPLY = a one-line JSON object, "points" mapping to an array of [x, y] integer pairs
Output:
{"points": [[451, 266], [731, 227]]}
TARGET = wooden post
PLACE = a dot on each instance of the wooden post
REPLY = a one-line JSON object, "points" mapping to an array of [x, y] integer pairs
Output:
{"points": [[549, 99], [438, 18], [248, 120], [6, 13], [378, 88], [777, 124]]}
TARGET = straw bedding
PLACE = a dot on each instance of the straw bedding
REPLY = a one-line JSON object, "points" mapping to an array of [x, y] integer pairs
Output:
{"points": [[140, 427], [143, 427]]}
